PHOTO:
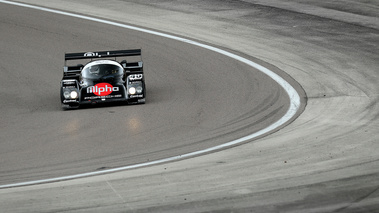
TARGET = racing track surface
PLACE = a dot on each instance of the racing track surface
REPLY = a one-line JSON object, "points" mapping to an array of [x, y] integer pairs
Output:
{"points": [[325, 161], [197, 99]]}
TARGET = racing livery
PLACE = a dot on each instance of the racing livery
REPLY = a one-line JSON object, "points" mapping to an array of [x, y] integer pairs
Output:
{"points": [[103, 80]]}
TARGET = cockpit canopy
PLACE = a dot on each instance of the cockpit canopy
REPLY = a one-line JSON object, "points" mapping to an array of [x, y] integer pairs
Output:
{"points": [[102, 69]]}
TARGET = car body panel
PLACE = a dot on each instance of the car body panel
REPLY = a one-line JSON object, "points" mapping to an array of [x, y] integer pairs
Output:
{"points": [[103, 80]]}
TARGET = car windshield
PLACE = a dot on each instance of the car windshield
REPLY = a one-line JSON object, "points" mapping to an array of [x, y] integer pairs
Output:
{"points": [[97, 71]]}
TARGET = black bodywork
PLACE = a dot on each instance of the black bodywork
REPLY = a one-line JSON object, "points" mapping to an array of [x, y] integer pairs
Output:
{"points": [[103, 80]]}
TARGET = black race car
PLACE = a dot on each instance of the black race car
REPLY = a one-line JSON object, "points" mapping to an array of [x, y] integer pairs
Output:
{"points": [[103, 80]]}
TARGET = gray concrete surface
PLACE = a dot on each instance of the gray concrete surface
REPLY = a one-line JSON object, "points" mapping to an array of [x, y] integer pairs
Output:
{"points": [[325, 161], [197, 99]]}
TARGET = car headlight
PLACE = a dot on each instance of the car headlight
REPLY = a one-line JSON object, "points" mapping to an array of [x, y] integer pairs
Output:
{"points": [[132, 90], [66, 94], [139, 89], [70, 94], [73, 94]]}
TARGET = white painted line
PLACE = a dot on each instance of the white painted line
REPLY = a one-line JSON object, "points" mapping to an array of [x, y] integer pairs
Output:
{"points": [[293, 95]]}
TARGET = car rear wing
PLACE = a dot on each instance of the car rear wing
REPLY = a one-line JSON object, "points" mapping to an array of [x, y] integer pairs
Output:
{"points": [[70, 72], [102, 54]]}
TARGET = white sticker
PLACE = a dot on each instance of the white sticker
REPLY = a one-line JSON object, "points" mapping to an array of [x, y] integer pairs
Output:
{"points": [[135, 77]]}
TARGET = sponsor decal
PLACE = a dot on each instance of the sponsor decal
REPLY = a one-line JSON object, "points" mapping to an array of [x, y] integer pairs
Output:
{"points": [[101, 97], [69, 101], [64, 87], [135, 77], [69, 82], [91, 54], [102, 89]]}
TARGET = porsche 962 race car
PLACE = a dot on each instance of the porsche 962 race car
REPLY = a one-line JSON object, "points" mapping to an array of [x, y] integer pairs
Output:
{"points": [[103, 80]]}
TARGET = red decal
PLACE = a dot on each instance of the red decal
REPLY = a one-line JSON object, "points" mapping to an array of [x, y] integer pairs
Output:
{"points": [[102, 89]]}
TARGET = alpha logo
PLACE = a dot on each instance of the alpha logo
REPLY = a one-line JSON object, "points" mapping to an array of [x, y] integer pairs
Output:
{"points": [[102, 89]]}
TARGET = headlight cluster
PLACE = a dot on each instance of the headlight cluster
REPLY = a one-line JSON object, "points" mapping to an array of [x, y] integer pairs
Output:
{"points": [[135, 89], [70, 94]]}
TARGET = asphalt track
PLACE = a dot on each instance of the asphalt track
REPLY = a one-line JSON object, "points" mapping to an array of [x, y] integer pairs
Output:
{"points": [[325, 161]]}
